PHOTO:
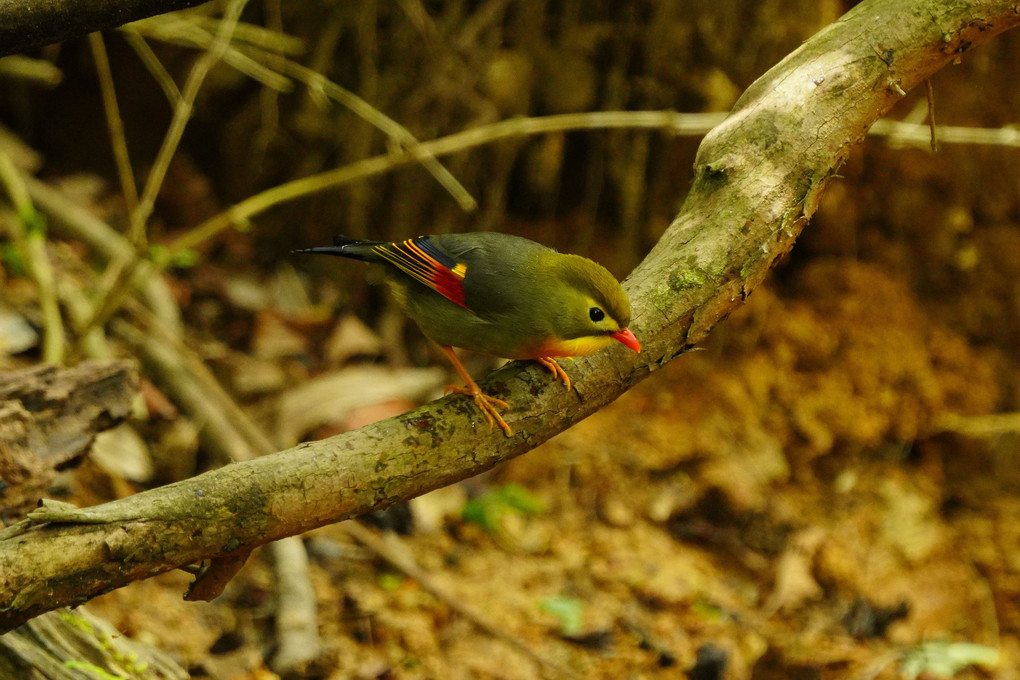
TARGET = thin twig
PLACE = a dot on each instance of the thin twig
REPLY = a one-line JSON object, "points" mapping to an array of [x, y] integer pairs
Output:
{"points": [[29, 234], [236, 435], [153, 64], [920, 135], [296, 621], [268, 37], [269, 99], [74, 221], [117, 289], [316, 81], [992, 425], [79, 309], [34, 71], [113, 121], [182, 113], [179, 31], [241, 213]]}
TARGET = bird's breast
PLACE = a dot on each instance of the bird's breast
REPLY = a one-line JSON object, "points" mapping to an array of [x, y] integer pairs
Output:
{"points": [[573, 347]]}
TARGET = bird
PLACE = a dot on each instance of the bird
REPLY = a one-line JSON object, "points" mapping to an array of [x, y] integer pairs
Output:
{"points": [[501, 295]]}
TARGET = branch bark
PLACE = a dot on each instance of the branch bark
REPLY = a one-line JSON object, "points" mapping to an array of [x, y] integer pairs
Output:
{"points": [[759, 177], [32, 23]]}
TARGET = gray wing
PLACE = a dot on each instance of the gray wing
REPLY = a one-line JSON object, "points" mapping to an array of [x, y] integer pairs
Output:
{"points": [[496, 269]]}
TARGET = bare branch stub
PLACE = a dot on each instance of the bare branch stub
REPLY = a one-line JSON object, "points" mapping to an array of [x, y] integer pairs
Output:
{"points": [[48, 419]]}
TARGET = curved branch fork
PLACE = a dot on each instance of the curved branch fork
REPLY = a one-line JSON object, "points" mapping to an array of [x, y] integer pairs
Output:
{"points": [[759, 177]]}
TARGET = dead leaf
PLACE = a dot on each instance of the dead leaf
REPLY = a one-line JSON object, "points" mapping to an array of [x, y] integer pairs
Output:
{"points": [[331, 397], [795, 584]]}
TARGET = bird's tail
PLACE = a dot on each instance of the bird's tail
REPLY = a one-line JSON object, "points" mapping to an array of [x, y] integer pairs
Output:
{"points": [[343, 246]]}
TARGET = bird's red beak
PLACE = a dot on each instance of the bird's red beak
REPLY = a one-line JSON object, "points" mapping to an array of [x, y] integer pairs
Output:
{"points": [[625, 336]]}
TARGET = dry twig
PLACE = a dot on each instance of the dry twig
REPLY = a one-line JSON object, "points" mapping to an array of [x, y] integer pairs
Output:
{"points": [[241, 213], [121, 272], [114, 123], [29, 234], [180, 30]]}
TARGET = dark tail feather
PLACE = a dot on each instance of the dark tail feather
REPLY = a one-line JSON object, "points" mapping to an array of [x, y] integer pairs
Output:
{"points": [[343, 246]]}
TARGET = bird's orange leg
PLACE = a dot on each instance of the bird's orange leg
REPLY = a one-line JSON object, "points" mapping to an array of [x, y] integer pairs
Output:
{"points": [[484, 402], [555, 369]]}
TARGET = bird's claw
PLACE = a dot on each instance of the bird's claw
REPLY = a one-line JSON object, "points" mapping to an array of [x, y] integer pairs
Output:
{"points": [[555, 369], [486, 404]]}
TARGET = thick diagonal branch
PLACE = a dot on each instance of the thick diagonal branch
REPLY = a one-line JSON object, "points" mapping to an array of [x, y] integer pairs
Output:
{"points": [[759, 176]]}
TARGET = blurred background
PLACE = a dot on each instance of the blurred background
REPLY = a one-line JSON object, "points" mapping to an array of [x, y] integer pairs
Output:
{"points": [[828, 490]]}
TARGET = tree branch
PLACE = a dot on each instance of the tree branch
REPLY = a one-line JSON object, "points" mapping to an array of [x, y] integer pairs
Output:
{"points": [[759, 176], [32, 23]]}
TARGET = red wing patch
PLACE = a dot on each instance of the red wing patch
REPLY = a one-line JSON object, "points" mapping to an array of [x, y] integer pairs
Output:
{"points": [[426, 263]]}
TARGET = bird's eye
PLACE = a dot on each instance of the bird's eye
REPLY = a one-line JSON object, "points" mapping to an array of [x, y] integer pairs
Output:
{"points": [[596, 314]]}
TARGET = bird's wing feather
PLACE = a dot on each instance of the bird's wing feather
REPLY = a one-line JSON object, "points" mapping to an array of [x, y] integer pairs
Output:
{"points": [[423, 261]]}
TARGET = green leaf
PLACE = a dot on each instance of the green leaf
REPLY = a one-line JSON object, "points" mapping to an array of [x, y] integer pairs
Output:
{"points": [[186, 259], [569, 610], [13, 259], [34, 221], [159, 255], [486, 509], [708, 610], [518, 498], [390, 581]]}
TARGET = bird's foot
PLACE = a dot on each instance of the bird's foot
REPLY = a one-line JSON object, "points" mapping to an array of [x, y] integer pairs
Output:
{"points": [[485, 403], [555, 369]]}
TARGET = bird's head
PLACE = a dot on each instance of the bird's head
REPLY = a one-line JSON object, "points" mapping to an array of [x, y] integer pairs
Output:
{"points": [[592, 308]]}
